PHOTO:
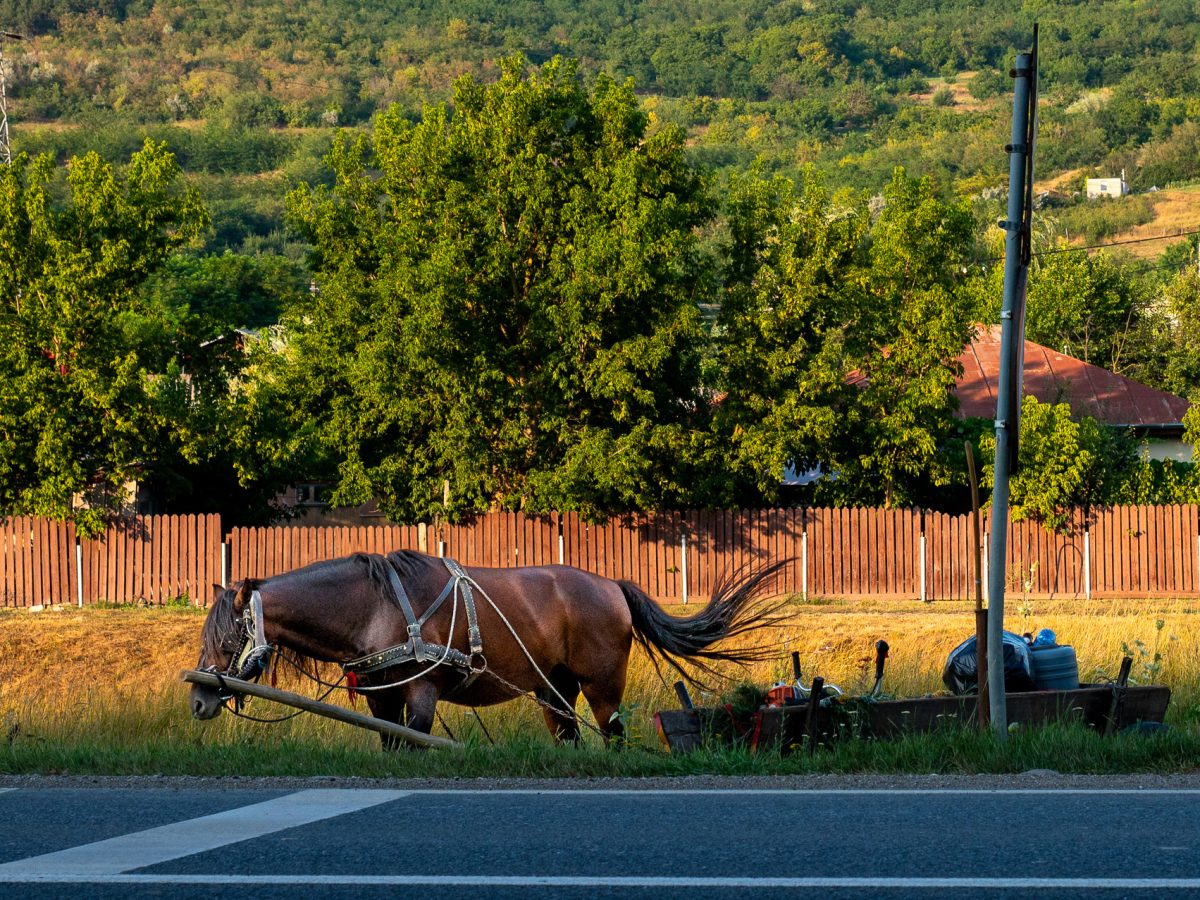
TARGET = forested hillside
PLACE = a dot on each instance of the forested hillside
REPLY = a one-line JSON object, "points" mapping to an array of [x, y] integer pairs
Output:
{"points": [[819, 183], [853, 87]]}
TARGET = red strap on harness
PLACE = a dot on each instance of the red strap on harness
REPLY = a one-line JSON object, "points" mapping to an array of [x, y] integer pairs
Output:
{"points": [[352, 683]]}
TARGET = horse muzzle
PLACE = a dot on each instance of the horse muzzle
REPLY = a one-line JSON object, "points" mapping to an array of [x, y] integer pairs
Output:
{"points": [[205, 702]]}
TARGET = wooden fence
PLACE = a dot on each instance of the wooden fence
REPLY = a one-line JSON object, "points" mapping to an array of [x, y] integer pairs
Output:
{"points": [[1132, 551], [151, 558]]}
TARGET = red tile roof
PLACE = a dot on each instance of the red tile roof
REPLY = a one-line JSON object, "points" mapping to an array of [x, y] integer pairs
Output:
{"points": [[1057, 378]]}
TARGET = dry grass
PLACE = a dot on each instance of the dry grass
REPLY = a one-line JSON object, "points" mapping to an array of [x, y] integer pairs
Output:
{"points": [[117, 671], [1175, 210]]}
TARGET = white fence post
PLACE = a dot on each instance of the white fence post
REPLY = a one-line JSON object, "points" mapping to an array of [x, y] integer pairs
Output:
{"points": [[985, 567], [1087, 564], [923, 594], [79, 572], [683, 565], [804, 564]]}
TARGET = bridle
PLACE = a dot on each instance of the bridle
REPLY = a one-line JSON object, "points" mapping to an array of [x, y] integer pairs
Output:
{"points": [[250, 654]]}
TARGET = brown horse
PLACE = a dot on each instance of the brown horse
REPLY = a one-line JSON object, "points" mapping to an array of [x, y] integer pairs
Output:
{"points": [[423, 629]]}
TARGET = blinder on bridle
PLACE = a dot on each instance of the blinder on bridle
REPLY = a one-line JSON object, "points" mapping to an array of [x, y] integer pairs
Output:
{"points": [[250, 654]]}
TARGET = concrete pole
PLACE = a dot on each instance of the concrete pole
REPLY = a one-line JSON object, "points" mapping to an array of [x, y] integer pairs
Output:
{"points": [[1008, 398]]}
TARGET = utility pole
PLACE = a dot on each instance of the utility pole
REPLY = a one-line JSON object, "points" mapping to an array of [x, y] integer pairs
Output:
{"points": [[5, 147], [1017, 254]]}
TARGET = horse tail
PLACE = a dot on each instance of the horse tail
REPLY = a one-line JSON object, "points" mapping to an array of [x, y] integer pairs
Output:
{"points": [[739, 604]]}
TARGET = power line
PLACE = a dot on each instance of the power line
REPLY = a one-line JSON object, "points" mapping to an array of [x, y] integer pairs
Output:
{"points": [[1085, 249], [1161, 237]]}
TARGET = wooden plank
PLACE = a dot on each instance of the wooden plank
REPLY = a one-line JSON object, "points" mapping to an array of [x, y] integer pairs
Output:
{"points": [[55, 591], [7, 593], [845, 552], [20, 591], [41, 561], [829, 565], [856, 517], [118, 564], [74, 569], [1124, 548], [1177, 544], [818, 563], [886, 552], [1190, 550], [172, 568]]}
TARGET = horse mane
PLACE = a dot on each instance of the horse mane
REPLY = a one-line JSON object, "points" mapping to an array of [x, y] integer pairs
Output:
{"points": [[406, 563]]}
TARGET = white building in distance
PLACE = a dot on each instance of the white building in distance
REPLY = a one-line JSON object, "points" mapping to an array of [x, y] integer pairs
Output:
{"points": [[1107, 187]]}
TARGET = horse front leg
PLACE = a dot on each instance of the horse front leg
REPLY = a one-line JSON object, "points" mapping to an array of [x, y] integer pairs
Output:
{"points": [[421, 699], [389, 706]]}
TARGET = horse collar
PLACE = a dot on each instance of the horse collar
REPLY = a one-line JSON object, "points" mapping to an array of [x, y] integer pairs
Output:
{"points": [[416, 649]]}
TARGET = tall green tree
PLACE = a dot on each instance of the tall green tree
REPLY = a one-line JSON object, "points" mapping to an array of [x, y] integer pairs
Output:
{"points": [[1182, 307], [80, 406], [1064, 464], [507, 307], [913, 326], [794, 265], [1084, 305], [839, 334]]}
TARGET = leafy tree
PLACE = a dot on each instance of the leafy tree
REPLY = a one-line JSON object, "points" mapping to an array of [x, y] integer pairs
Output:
{"points": [[914, 326], [792, 263], [506, 304], [1156, 482], [1083, 305], [80, 408], [1182, 302], [213, 295], [1063, 464], [839, 336]]}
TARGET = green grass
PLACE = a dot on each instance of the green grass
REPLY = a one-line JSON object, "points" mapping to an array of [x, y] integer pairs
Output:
{"points": [[156, 736]]}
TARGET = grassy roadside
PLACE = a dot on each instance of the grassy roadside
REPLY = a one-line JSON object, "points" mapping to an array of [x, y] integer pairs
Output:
{"points": [[97, 692]]}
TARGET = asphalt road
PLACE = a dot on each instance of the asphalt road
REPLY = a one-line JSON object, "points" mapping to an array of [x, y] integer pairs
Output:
{"points": [[367, 843]]}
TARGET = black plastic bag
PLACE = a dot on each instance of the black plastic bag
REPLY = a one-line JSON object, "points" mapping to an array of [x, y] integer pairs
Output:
{"points": [[960, 675]]}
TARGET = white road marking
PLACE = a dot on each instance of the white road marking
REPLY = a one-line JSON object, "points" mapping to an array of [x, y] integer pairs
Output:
{"points": [[623, 881], [156, 845], [803, 792]]}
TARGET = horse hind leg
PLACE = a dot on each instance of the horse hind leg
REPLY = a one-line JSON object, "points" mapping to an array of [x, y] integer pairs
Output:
{"points": [[604, 697], [561, 720]]}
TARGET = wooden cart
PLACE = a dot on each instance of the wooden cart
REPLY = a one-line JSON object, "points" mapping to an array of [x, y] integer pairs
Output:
{"points": [[1105, 707]]}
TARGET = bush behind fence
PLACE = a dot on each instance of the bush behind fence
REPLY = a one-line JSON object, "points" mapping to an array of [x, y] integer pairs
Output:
{"points": [[1127, 551]]}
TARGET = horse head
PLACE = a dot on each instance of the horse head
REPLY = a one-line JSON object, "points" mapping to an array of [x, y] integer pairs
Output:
{"points": [[231, 644]]}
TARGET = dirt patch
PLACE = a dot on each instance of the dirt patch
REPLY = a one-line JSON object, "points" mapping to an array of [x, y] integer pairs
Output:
{"points": [[960, 96]]}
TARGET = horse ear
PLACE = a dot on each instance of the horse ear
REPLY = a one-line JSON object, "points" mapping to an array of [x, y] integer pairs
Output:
{"points": [[242, 597], [217, 591]]}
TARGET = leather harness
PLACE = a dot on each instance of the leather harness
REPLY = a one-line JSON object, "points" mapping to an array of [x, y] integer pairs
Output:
{"points": [[416, 649]]}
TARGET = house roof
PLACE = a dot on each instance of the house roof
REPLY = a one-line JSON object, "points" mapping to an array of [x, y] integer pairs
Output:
{"points": [[1057, 378]]}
